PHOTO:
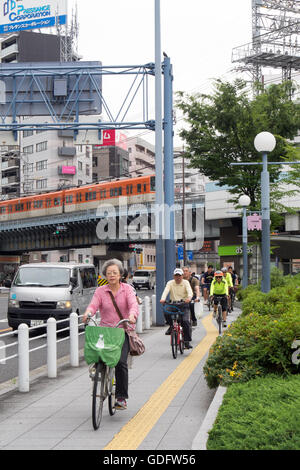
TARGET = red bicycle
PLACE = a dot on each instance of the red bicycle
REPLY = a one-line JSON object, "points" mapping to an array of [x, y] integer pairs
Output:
{"points": [[177, 341]]}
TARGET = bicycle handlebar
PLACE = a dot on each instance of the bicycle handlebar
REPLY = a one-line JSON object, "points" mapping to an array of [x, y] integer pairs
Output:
{"points": [[90, 317]]}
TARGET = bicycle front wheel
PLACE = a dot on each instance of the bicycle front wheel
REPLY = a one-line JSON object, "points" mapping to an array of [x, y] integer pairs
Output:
{"points": [[174, 344], [181, 341], [220, 318], [99, 394], [111, 392]]}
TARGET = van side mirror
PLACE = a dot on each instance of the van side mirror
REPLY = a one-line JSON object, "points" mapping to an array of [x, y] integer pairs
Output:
{"points": [[7, 283], [73, 281]]}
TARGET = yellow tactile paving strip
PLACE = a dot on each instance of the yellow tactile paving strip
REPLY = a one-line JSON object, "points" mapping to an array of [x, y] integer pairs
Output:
{"points": [[136, 430]]}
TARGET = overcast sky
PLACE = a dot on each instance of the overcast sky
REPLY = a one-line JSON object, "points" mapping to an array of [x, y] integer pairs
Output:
{"points": [[197, 35]]}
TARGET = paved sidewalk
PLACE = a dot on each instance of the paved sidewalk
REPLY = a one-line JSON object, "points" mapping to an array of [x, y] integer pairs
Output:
{"points": [[56, 413]]}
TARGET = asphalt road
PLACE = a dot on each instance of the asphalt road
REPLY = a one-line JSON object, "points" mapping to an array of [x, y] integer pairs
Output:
{"points": [[38, 358]]}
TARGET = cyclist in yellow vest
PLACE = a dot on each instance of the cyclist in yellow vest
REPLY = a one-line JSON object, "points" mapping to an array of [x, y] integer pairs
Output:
{"points": [[228, 279], [219, 287]]}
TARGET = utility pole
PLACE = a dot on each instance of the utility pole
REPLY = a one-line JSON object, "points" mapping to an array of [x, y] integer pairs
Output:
{"points": [[183, 209], [159, 192]]}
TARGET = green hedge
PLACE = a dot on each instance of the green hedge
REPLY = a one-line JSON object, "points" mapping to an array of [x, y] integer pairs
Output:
{"points": [[259, 341], [260, 415]]}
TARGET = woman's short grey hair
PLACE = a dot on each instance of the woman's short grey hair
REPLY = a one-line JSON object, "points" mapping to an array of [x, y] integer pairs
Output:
{"points": [[112, 262]]}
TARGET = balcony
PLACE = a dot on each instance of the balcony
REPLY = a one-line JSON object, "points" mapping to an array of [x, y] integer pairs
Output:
{"points": [[65, 133], [10, 181], [10, 165], [66, 151], [9, 51]]}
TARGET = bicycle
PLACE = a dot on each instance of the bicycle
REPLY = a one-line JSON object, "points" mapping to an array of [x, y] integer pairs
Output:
{"points": [[103, 377], [176, 337], [219, 316]]}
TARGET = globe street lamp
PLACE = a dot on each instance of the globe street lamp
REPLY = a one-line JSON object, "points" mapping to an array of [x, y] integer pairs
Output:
{"points": [[265, 142], [244, 201]]}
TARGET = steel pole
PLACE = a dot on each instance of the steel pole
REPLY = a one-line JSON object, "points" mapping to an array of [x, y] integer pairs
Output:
{"points": [[245, 249], [170, 249], [159, 195], [265, 240]]}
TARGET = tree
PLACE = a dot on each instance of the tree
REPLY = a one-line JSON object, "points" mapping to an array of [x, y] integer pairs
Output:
{"points": [[221, 130]]}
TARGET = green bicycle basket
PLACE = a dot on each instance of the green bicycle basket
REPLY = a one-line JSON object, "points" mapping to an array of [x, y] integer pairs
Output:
{"points": [[104, 343]]}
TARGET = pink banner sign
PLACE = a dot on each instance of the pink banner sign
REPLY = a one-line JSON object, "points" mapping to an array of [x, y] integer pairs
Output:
{"points": [[254, 222], [68, 170]]}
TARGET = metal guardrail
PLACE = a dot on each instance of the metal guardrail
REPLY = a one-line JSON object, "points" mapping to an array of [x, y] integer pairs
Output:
{"points": [[146, 317]]}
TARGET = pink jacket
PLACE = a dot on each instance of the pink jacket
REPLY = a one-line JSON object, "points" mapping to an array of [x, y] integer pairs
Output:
{"points": [[125, 299]]}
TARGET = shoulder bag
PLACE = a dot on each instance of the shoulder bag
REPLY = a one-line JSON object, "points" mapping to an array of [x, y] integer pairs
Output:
{"points": [[136, 345]]}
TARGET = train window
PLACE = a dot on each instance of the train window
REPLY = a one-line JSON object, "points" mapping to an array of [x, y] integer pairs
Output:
{"points": [[28, 205], [111, 192], [48, 202], [2, 210], [78, 197], [37, 204], [152, 183], [145, 187], [89, 196], [139, 188], [116, 191], [69, 199], [56, 201], [10, 208], [120, 191], [19, 207]]}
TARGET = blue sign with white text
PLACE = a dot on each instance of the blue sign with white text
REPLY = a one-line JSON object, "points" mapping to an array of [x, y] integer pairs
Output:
{"points": [[20, 15], [180, 252]]}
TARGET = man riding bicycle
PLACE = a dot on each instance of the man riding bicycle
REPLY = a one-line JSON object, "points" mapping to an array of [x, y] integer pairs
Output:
{"points": [[228, 278], [179, 289], [206, 281], [219, 288]]}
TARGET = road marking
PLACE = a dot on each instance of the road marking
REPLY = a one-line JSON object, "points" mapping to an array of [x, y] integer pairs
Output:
{"points": [[136, 430]]}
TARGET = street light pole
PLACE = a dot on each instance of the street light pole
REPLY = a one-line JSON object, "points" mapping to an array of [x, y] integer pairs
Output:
{"points": [[244, 201], [265, 239], [265, 142]]}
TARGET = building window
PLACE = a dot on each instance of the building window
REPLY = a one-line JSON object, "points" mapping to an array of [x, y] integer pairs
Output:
{"points": [[79, 166], [41, 146], [28, 167], [27, 133], [41, 184], [42, 165], [28, 149], [80, 258]]}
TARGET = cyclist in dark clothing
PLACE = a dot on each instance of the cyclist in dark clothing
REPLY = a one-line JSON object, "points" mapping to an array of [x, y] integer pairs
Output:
{"points": [[206, 280]]}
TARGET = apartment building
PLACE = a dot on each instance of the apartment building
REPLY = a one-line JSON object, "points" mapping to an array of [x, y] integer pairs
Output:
{"points": [[50, 160], [29, 46], [141, 156]]}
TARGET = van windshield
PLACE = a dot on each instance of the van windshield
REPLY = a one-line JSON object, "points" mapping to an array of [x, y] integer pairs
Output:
{"points": [[141, 274], [43, 277]]}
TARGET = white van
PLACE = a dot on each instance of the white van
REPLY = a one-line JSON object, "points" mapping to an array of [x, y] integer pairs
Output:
{"points": [[143, 278], [43, 290]]}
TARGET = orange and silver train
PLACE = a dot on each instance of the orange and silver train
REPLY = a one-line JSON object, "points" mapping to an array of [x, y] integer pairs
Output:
{"points": [[137, 190]]}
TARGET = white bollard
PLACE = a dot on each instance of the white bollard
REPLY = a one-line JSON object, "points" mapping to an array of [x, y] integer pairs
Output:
{"points": [[153, 302], [51, 348], [74, 342], [23, 353], [139, 321], [147, 313]]}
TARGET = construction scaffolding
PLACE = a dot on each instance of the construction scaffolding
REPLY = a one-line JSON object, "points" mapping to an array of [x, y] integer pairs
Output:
{"points": [[275, 32]]}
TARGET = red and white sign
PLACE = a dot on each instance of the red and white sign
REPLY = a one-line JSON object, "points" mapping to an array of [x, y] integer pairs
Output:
{"points": [[68, 170], [113, 138]]}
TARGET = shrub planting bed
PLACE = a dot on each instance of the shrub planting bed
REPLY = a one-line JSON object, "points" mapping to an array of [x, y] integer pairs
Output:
{"points": [[256, 353]]}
